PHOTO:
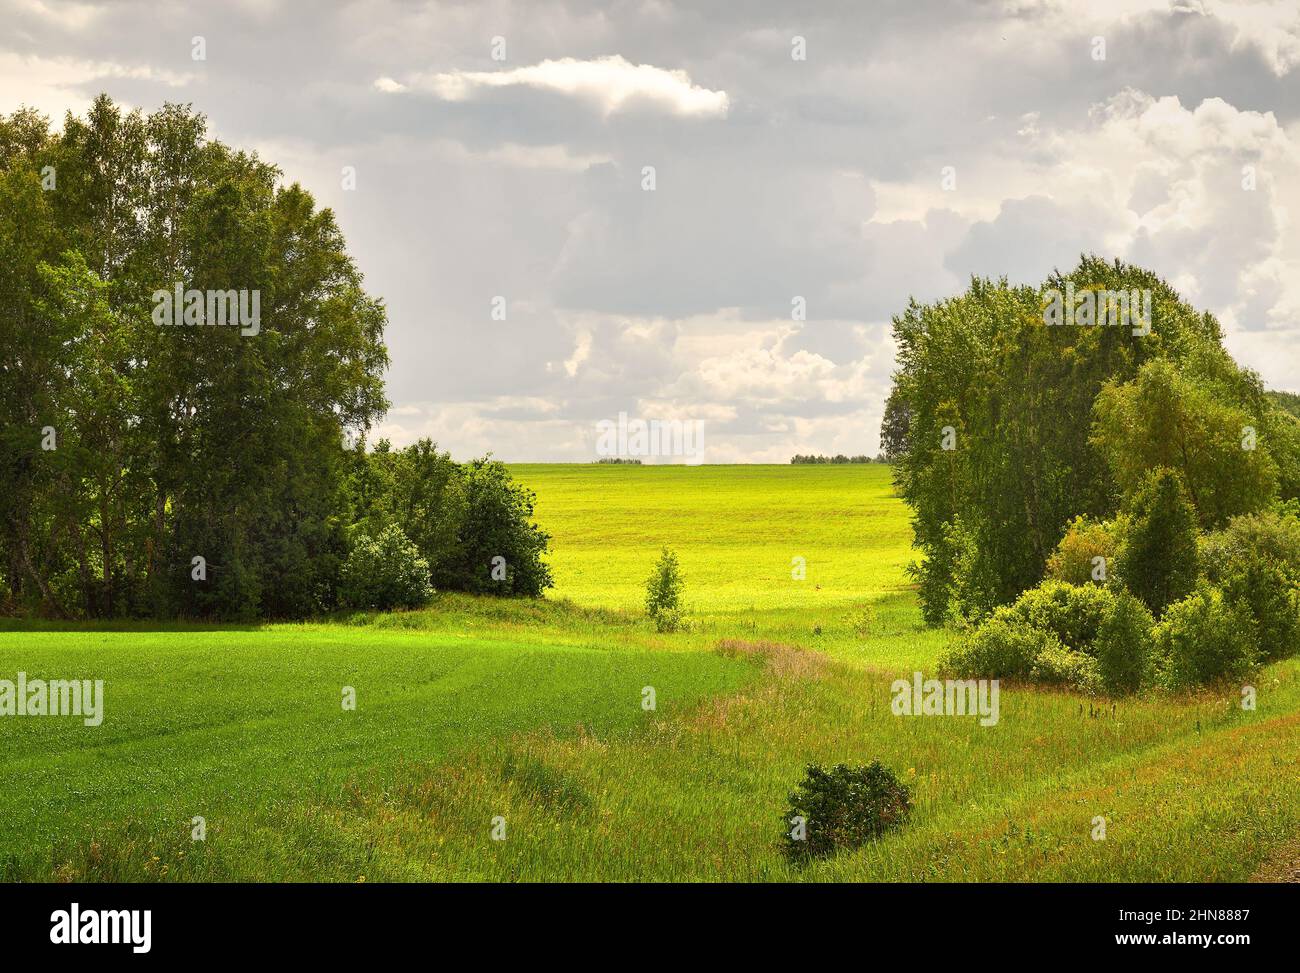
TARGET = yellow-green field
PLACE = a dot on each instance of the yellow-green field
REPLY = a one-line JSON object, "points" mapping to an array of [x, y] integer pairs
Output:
{"points": [[532, 712]]}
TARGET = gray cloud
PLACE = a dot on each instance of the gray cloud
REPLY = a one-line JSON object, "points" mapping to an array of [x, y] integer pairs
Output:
{"points": [[820, 180]]}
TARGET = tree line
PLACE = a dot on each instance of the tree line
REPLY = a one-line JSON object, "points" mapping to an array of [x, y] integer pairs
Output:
{"points": [[200, 471], [1150, 465]]}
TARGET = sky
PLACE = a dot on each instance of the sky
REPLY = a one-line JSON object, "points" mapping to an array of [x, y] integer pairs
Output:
{"points": [[812, 170]]}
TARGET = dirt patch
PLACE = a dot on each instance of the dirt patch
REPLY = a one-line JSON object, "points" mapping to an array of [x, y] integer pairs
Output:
{"points": [[1283, 865]]}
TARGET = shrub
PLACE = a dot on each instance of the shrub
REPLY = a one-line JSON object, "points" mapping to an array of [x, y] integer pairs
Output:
{"points": [[1072, 613], [1124, 645], [1004, 647], [1205, 638], [843, 808], [497, 524], [385, 572], [1075, 559], [1058, 666], [1159, 560], [1256, 562], [1090, 637], [664, 593]]}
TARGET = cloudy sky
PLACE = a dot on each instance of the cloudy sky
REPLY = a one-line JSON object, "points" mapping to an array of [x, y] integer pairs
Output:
{"points": [[500, 151]]}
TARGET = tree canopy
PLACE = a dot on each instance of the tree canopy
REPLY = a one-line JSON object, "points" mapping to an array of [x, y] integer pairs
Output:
{"points": [[1005, 428]]}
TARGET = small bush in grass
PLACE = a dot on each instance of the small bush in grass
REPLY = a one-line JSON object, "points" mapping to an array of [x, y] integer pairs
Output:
{"points": [[843, 808], [1004, 647], [1204, 639], [385, 572], [663, 593]]}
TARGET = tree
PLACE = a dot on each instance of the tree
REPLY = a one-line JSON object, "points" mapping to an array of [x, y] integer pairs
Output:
{"points": [[498, 547], [664, 593], [172, 443], [1164, 419], [1159, 561], [998, 409]]}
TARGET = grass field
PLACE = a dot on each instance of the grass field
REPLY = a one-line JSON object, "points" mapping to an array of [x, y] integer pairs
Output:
{"points": [[478, 709]]}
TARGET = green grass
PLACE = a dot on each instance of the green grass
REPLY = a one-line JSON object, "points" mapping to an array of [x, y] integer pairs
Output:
{"points": [[532, 711]]}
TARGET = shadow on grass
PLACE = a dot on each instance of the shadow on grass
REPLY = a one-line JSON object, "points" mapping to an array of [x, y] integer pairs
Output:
{"points": [[23, 624]]}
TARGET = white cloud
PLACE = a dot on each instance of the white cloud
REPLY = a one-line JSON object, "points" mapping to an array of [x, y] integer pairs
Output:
{"points": [[611, 83], [55, 85]]}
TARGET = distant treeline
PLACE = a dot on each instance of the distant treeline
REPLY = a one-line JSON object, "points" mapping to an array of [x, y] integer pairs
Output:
{"points": [[839, 458], [619, 461]]}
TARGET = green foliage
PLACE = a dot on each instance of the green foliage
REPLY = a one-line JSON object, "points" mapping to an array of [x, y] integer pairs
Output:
{"points": [[1159, 561], [839, 459], [843, 808], [497, 524], [1287, 401], [1205, 639], [1075, 559], [172, 442], [1059, 666], [1089, 637], [1164, 419], [1071, 613], [663, 593], [1004, 647], [1124, 645], [1255, 560], [1050, 424], [472, 523], [385, 572]]}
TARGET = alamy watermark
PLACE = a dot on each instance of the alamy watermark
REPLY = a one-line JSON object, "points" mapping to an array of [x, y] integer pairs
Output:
{"points": [[654, 437], [947, 697], [57, 697], [131, 927], [1100, 308], [181, 308]]}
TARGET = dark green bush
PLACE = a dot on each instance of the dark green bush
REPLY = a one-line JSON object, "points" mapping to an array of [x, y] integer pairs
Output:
{"points": [[497, 524], [1158, 560], [1124, 645], [385, 572], [1205, 638], [844, 808]]}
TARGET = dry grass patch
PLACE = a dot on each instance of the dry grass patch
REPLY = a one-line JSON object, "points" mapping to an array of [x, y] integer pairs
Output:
{"points": [[780, 660]]}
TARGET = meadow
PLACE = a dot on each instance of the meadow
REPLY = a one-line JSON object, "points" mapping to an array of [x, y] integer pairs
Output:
{"points": [[529, 714]]}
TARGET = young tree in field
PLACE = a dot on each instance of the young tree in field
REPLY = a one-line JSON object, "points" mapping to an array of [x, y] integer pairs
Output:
{"points": [[664, 593]]}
